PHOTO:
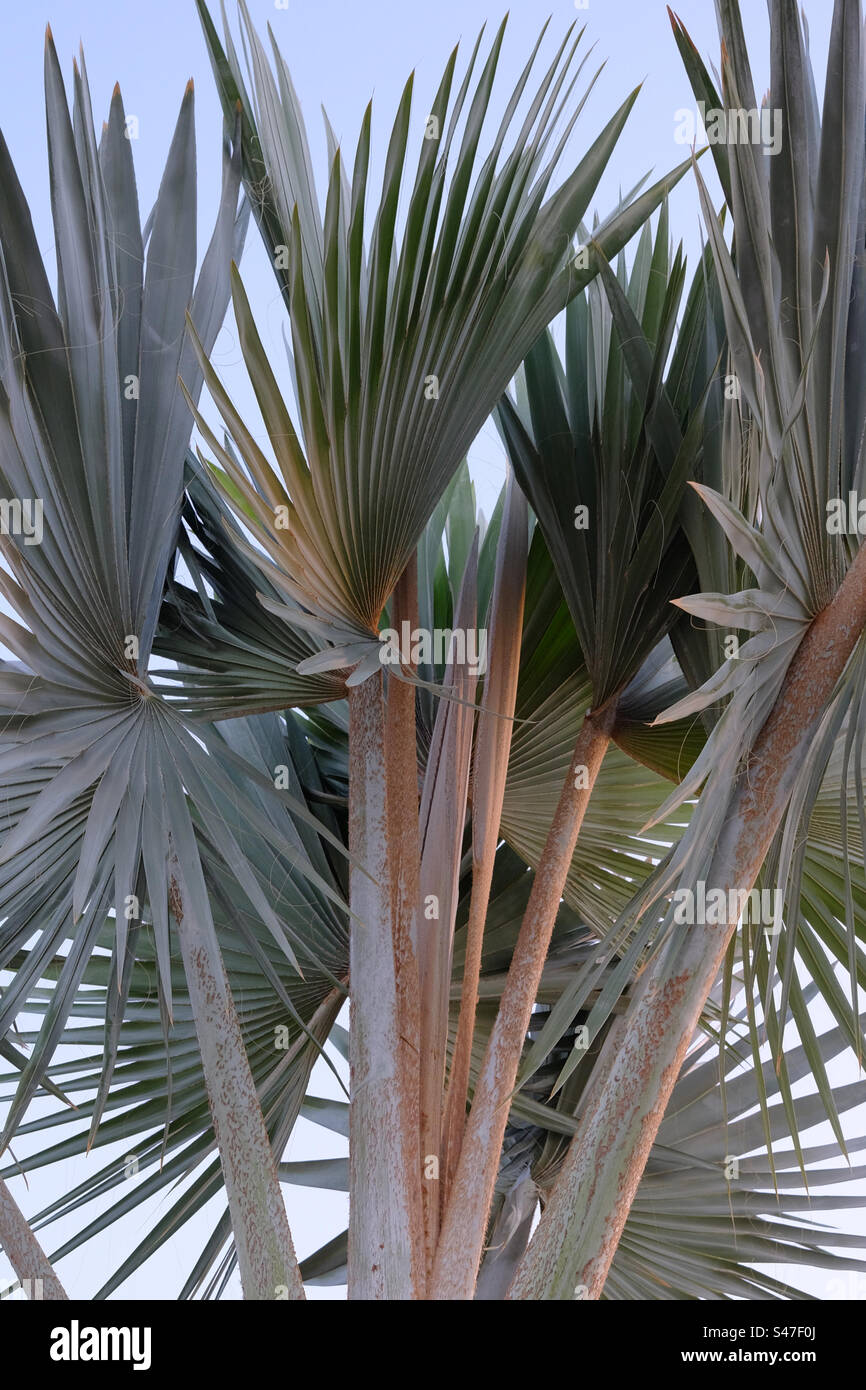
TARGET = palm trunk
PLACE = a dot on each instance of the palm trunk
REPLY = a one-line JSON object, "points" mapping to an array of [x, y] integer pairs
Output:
{"points": [[465, 1223], [266, 1256], [401, 751], [582, 1224], [24, 1252], [382, 1260]]}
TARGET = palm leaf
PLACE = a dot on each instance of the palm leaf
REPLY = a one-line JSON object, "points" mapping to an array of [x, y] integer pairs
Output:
{"points": [[382, 330]]}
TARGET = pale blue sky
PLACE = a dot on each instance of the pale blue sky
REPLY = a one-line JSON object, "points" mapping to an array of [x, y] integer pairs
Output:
{"points": [[340, 54]]}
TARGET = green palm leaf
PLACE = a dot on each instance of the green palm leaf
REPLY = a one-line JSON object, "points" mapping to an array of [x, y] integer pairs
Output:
{"points": [[383, 330]]}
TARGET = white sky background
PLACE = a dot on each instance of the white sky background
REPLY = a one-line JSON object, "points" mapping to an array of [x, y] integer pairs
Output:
{"points": [[340, 54]]}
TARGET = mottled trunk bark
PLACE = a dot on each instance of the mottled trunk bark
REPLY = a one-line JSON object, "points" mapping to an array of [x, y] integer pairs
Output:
{"points": [[24, 1252], [266, 1256], [462, 1238], [382, 1260], [402, 761], [578, 1234]]}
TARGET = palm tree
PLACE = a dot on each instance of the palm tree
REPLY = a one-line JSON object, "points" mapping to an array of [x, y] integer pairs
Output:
{"points": [[100, 772], [478, 855], [607, 501], [162, 1118], [791, 292], [380, 352]]}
